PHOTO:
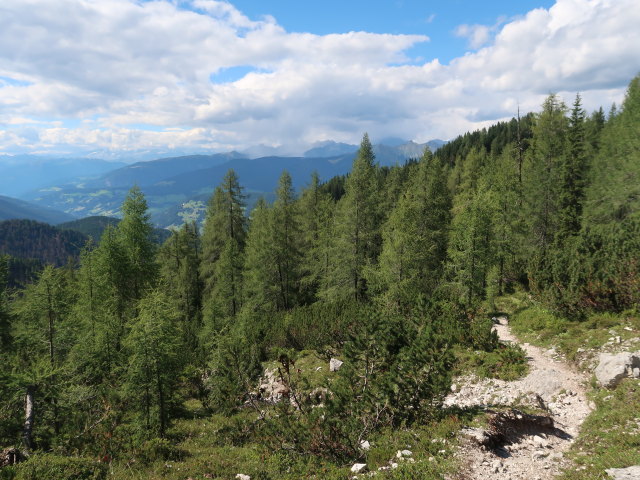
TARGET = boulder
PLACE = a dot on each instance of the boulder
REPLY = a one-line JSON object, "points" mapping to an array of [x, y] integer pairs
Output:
{"points": [[613, 367], [242, 476], [359, 468], [335, 364], [629, 473]]}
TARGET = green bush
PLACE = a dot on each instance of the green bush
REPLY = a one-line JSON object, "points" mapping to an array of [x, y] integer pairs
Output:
{"points": [[54, 467], [158, 449]]}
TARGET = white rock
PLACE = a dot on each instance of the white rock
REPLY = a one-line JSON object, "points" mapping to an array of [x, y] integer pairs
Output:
{"points": [[629, 473], [454, 387], [365, 445], [403, 453], [394, 465], [612, 368], [335, 364], [539, 441], [242, 476], [359, 468]]}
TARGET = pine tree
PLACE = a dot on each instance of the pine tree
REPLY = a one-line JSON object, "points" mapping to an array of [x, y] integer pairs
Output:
{"points": [[316, 223], [260, 274], [543, 176], [358, 236], [285, 235], [223, 244], [179, 261], [416, 234], [136, 237], [573, 172], [154, 362], [471, 252]]}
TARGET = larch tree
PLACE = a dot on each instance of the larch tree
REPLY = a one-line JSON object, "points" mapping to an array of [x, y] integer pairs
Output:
{"points": [[358, 236], [223, 244]]}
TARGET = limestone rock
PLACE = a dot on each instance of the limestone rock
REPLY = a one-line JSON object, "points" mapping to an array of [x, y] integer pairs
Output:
{"points": [[359, 468], [335, 364], [612, 368], [629, 473], [242, 476], [365, 445]]}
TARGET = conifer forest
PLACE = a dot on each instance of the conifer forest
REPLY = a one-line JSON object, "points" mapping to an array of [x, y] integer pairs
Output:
{"points": [[111, 363]]}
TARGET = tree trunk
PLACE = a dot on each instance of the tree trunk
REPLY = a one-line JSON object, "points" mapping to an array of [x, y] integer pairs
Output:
{"points": [[29, 416]]}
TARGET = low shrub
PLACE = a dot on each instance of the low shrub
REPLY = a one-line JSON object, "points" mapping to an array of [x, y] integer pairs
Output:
{"points": [[54, 467]]}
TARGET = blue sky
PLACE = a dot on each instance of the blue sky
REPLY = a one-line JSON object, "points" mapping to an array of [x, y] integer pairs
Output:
{"points": [[131, 78], [438, 20]]}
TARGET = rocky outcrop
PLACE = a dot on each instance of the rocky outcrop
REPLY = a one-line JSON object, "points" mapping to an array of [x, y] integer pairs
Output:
{"points": [[629, 473], [613, 367]]}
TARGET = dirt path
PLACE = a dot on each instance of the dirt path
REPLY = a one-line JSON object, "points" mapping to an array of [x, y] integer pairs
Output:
{"points": [[551, 384]]}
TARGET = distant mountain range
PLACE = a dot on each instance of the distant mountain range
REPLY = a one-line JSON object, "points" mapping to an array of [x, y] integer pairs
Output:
{"points": [[12, 208], [20, 174], [177, 188]]}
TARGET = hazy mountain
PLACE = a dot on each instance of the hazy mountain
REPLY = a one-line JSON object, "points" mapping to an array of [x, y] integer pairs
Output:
{"points": [[153, 171], [177, 188], [329, 148], [22, 173], [11, 208]]}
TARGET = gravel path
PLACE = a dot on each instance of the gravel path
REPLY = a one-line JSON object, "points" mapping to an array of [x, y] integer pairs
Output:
{"points": [[551, 384]]}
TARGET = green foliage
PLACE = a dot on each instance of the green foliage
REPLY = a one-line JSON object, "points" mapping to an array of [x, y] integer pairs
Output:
{"points": [[54, 467], [609, 436], [154, 363], [223, 243], [357, 241], [235, 366], [415, 237]]}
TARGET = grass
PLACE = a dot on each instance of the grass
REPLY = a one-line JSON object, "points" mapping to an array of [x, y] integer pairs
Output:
{"points": [[534, 324], [610, 436], [506, 362]]}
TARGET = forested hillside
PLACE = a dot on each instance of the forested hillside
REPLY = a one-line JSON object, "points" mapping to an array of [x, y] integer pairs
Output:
{"points": [[391, 270]]}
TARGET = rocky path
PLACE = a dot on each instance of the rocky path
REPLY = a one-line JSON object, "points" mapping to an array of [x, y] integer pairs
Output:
{"points": [[536, 453]]}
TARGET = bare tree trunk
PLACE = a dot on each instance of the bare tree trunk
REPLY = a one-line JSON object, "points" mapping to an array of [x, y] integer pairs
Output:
{"points": [[29, 415]]}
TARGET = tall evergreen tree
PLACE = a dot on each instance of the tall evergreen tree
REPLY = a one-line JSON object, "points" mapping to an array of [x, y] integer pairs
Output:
{"points": [[223, 243], [154, 362], [179, 266], [543, 179], [136, 237], [316, 223], [415, 236], [285, 236], [358, 236]]}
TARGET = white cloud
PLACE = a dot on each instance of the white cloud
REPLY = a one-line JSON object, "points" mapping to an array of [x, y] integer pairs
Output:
{"points": [[136, 75]]}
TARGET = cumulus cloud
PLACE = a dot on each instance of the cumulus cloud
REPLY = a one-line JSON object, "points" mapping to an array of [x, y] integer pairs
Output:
{"points": [[138, 75]]}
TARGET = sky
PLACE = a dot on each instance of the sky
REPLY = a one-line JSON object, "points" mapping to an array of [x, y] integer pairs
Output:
{"points": [[122, 78]]}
